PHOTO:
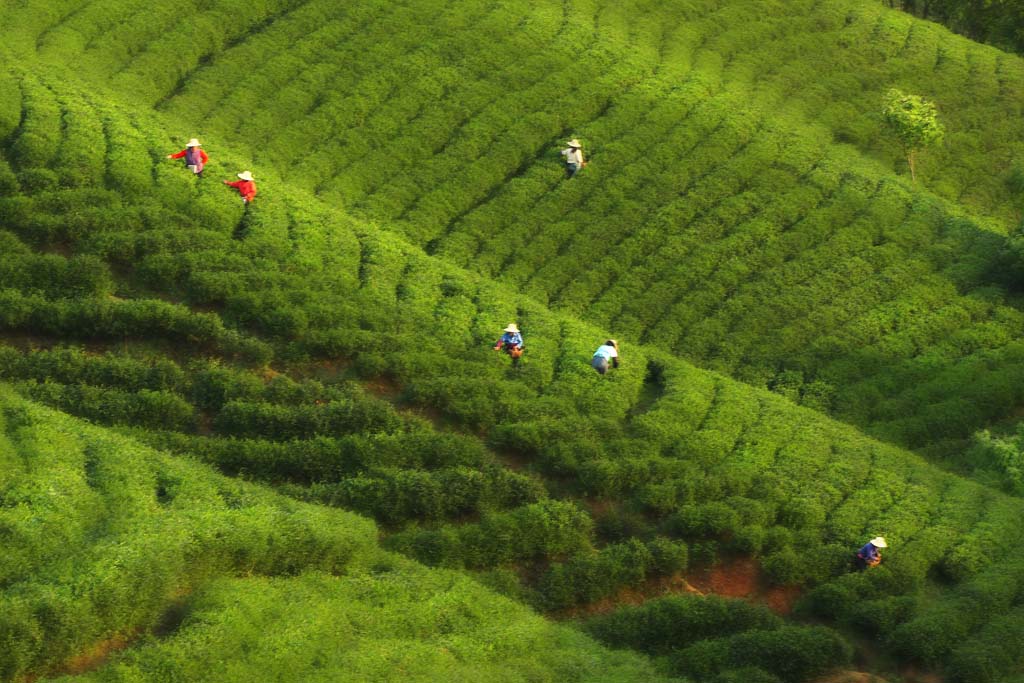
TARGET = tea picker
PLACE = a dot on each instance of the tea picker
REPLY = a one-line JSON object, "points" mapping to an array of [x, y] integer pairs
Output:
{"points": [[511, 343], [607, 352], [573, 157], [194, 156], [868, 555], [245, 186]]}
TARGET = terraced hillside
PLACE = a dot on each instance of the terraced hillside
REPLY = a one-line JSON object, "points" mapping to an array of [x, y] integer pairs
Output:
{"points": [[106, 539], [741, 210], [340, 353]]}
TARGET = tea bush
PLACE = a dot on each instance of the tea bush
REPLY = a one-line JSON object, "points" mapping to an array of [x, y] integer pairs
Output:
{"points": [[126, 528], [664, 625], [793, 653], [741, 209]]}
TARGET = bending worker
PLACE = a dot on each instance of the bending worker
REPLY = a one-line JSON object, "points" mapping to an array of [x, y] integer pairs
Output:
{"points": [[609, 351], [195, 157], [511, 343], [868, 555], [246, 187], [573, 157]]}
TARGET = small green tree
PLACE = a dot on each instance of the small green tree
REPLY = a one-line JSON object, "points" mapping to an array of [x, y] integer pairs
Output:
{"points": [[915, 122]]}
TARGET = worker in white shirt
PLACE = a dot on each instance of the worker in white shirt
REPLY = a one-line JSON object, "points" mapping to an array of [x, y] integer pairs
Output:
{"points": [[609, 351], [573, 157]]}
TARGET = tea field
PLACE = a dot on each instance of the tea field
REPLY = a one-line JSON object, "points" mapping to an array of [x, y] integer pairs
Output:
{"points": [[306, 462]]}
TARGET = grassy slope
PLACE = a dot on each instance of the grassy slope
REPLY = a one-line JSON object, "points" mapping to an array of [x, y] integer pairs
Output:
{"points": [[720, 443], [105, 538], [723, 434], [739, 211]]}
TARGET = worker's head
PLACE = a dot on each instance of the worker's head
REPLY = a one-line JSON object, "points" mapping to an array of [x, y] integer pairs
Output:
{"points": [[245, 175], [193, 143], [879, 542], [612, 342], [574, 143], [511, 328]]}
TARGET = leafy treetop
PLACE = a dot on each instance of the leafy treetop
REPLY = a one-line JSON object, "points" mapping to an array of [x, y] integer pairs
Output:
{"points": [[915, 122]]}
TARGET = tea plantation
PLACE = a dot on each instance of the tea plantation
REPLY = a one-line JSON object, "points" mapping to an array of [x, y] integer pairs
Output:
{"points": [[812, 343]]}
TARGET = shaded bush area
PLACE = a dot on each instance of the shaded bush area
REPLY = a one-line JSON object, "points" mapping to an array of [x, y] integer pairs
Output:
{"points": [[662, 626], [588, 578], [545, 529], [998, 23], [792, 653], [711, 638]]}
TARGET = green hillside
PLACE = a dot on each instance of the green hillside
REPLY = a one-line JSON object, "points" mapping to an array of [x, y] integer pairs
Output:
{"points": [[333, 340], [741, 209], [106, 539]]}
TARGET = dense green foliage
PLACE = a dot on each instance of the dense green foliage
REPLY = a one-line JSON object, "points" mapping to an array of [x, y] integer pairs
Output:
{"points": [[914, 121], [101, 534], [104, 538], [393, 622], [333, 339]]}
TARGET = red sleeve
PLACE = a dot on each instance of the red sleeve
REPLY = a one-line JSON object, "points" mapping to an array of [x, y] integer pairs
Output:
{"points": [[237, 183], [203, 156], [179, 154]]}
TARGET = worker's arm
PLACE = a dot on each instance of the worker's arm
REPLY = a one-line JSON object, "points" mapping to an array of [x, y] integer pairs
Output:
{"points": [[202, 155], [237, 183], [178, 155], [615, 362]]}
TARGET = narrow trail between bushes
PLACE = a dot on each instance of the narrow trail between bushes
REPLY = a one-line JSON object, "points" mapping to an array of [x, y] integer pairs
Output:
{"points": [[88, 660], [653, 389], [740, 579]]}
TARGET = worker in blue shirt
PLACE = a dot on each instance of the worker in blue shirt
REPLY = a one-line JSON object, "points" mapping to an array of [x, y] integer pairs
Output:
{"points": [[868, 555], [609, 351], [511, 343]]}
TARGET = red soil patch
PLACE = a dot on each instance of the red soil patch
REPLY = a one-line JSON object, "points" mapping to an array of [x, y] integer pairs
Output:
{"points": [[738, 579], [86, 661], [384, 388], [742, 578], [850, 677], [95, 656], [780, 599], [649, 590], [911, 674]]}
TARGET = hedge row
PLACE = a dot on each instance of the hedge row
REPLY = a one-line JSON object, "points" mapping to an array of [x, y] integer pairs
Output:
{"points": [[793, 653], [131, 530], [588, 578], [88, 319], [73, 366], [545, 529], [661, 626], [146, 407], [399, 496], [325, 459]]}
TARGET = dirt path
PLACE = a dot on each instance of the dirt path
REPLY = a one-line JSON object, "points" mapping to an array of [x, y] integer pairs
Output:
{"points": [[742, 578]]}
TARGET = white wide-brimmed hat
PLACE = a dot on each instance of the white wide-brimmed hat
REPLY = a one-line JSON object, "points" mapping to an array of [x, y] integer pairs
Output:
{"points": [[511, 328], [574, 143], [879, 542], [193, 143], [245, 175]]}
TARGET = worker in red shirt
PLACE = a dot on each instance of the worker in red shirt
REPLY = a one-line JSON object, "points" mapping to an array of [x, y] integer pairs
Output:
{"points": [[195, 157], [246, 187]]}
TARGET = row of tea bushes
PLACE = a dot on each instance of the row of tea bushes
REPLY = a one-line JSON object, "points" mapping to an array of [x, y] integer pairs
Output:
{"points": [[707, 637], [102, 534]]}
